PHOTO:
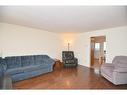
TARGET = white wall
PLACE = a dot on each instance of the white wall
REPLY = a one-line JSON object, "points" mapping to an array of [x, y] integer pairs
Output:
{"points": [[18, 40], [116, 44]]}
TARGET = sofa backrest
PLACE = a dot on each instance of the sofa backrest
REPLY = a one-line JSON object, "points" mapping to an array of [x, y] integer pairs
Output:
{"points": [[27, 60], [13, 62], [39, 59], [19, 61], [120, 61]]}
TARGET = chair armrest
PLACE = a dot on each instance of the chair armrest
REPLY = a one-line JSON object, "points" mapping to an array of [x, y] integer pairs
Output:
{"points": [[76, 60], [121, 70], [6, 82]]}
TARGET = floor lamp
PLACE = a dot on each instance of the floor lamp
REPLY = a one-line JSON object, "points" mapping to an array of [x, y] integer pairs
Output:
{"points": [[68, 46]]}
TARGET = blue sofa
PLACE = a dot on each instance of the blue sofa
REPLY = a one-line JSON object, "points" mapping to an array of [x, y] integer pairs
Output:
{"points": [[24, 67], [5, 80]]}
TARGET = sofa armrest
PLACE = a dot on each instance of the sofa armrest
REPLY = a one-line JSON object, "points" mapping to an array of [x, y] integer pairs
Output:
{"points": [[4, 65], [6, 82], [121, 70]]}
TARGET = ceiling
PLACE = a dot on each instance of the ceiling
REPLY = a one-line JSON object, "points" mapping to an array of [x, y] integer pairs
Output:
{"points": [[65, 18]]}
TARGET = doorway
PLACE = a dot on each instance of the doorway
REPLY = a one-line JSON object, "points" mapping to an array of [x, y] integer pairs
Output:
{"points": [[98, 51]]}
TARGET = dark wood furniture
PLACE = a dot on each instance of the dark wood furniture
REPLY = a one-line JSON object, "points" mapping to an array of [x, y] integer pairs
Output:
{"points": [[58, 64]]}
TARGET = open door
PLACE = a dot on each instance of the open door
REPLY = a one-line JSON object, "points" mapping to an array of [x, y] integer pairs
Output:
{"points": [[98, 50]]}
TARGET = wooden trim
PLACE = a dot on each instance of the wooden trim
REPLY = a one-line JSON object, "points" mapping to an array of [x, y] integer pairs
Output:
{"points": [[93, 40]]}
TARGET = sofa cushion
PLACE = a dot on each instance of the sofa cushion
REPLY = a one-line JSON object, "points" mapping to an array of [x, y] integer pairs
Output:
{"points": [[25, 69], [34, 67], [108, 70], [45, 56], [121, 64], [13, 62], [120, 70], [49, 61], [39, 59], [27, 60], [108, 65], [14, 71], [120, 59]]}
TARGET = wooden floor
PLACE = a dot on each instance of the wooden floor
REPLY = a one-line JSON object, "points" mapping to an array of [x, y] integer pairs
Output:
{"points": [[96, 64], [68, 78]]}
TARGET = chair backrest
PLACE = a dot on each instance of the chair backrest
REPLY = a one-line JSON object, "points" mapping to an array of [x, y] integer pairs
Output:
{"points": [[67, 55], [120, 59]]}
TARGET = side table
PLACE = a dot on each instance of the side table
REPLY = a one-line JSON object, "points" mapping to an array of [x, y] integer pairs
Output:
{"points": [[58, 64]]}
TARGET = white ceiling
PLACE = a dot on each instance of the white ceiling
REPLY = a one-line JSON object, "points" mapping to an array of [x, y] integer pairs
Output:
{"points": [[65, 18]]}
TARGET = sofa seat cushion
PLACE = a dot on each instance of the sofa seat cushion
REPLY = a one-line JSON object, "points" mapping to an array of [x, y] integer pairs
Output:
{"points": [[25, 69], [108, 70], [14, 71], [34, 67]]}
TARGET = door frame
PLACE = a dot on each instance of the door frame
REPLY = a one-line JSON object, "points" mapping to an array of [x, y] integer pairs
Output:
{"points": [[92, 48]]}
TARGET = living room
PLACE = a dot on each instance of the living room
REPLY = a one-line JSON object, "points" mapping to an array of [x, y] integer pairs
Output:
{"points": [[35, 34]]}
